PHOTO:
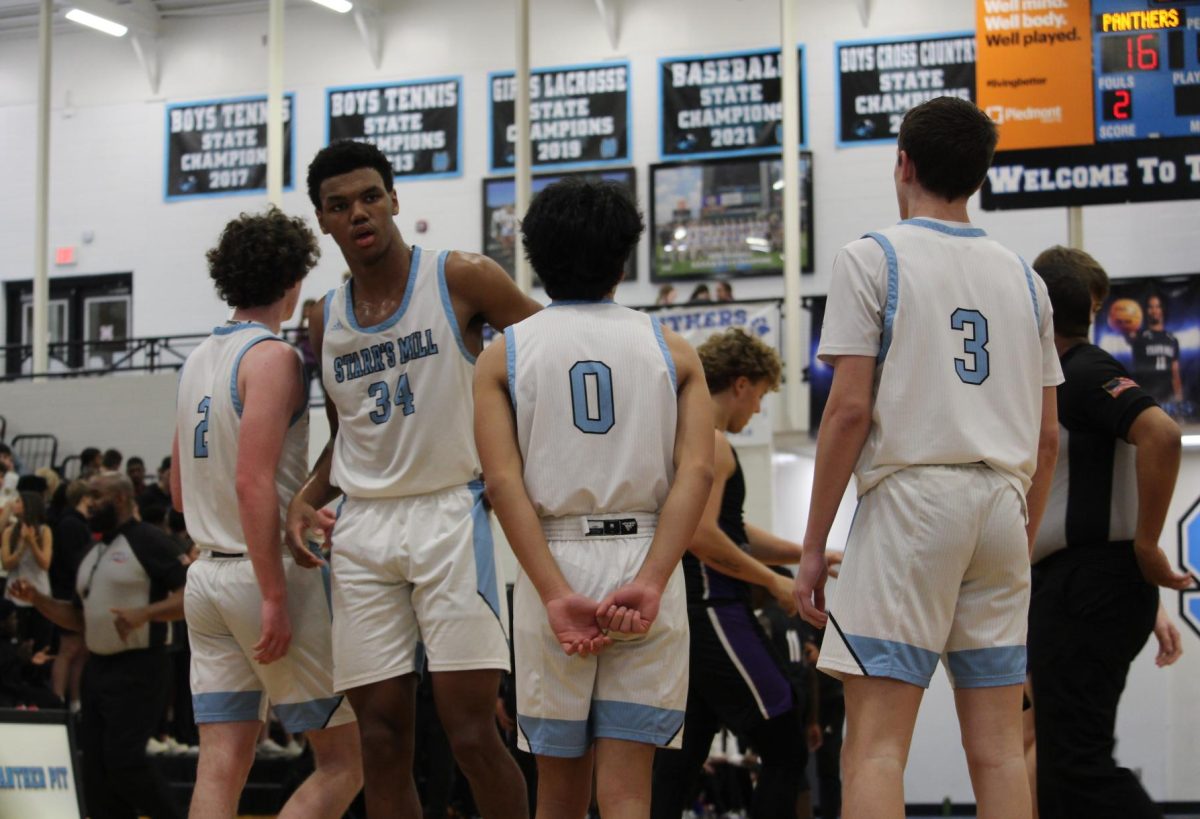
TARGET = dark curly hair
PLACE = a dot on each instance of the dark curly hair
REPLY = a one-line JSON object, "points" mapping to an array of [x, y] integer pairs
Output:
{"points": [[259, 256], [344, 156], [578, 235], [951, 142]]}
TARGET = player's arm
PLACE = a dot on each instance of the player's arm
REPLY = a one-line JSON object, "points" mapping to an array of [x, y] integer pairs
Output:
{"points": [[572, 616], [1047, 457], [633, 607], [176, 476], [1176, 378], [844, 427], [63, 613], [318, 490], [481, 290], [771, 548], [1158, 450], [716, 549], [271, 387]]}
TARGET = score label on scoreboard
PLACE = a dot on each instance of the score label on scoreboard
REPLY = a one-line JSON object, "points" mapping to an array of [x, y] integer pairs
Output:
{"points": [[1147, 69]]}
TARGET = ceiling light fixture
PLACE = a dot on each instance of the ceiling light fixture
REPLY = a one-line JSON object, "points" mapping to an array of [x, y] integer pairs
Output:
{"points": [[340, 6], [99, 23]]}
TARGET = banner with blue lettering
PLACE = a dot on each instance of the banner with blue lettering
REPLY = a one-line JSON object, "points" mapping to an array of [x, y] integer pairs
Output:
{"points": [[1189, 559], [579, 115], [696, 322], [723, 104], [219, 147], [417, 124], [880, 80], [37, 772]]}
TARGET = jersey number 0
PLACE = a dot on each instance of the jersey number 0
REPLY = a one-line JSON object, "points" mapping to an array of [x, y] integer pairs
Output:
{"points": [[592, 397]]}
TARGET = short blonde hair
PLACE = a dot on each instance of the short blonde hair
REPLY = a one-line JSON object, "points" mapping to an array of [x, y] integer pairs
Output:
{"points": [[734, 353]]}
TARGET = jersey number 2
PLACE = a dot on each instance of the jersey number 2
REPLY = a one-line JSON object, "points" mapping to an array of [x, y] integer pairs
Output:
{"points": [[975, 369], [200, 444], [592, 397], [383, 399]]}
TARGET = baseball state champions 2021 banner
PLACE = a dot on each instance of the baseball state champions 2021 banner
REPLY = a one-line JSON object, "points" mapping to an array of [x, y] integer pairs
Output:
{"points": [[723, 104], [219, 147], [579, 115], [880, 80], [417, 124]]}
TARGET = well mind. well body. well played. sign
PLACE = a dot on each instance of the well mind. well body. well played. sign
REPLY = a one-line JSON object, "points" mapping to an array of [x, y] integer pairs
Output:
{"points": [[578, 116], [723, 104], [219, 147], [417, 125]]}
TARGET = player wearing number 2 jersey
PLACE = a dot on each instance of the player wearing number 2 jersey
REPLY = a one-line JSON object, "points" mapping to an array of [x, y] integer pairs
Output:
{"points": [[594, 427], [943, 405], [413, 564]]}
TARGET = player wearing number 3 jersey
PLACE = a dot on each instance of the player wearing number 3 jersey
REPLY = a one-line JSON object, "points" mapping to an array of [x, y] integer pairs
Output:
{"points": [[412, 564], [943, 405]]}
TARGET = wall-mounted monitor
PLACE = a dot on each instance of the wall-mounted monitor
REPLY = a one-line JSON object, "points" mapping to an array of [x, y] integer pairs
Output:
{"points": [[500, 221], [723, 218]]}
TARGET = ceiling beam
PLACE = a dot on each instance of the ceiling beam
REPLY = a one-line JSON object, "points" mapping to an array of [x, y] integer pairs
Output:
{"points": [[608, 13], [368, 16], [864, 11]]}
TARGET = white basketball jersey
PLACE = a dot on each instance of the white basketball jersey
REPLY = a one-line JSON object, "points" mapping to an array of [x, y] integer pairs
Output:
{"points": [[208, 418], [402, 389], [593, 389], [962, 331]]}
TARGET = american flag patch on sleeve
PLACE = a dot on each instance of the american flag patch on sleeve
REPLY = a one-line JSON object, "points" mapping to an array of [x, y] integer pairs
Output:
{"points": [[1118, 385]]}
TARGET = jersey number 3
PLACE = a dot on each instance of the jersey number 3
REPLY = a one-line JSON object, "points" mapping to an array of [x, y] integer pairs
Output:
{"points": [[975, 368], [592, 397]]}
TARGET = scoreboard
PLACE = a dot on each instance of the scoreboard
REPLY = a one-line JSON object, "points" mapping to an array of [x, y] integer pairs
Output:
{"points": [[1146, 56]]}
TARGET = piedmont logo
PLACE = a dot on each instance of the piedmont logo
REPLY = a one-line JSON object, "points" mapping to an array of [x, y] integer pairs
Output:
{"points": [[1189, 558]]}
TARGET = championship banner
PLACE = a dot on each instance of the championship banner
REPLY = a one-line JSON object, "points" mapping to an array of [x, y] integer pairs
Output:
{"points": [[723, 104], [1149, 170], [696, 322], [880, 80], [579, 115], [219, 147], [417, 124], [1034, 67]]}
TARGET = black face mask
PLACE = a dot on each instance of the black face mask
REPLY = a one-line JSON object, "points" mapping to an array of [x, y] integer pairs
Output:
{"points": [[103, 519]]}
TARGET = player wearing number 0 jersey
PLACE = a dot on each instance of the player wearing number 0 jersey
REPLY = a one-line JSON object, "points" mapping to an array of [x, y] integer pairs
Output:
{"points": [[412, 561], [943, 405], [258, 617], [593, 424]]}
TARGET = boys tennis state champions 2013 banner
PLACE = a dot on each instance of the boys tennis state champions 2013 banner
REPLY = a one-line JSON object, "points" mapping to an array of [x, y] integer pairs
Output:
{"points": [[579, 115], [417, 124], [219, 147]]}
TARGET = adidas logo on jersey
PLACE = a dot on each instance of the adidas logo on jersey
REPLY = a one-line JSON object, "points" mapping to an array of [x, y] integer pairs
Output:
{"points": [[337, 325]]}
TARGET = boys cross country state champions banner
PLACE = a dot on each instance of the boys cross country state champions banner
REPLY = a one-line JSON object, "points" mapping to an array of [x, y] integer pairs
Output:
{"points": [[417, 124]]}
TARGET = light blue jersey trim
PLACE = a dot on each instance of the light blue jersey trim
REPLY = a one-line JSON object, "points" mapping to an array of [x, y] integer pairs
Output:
{"points": [[394, 317], [1037, 310], [448, 306], [893, 293], [662, 345], [893, 660], [237, 363], [226, 329], [329, 306], [510, 354], [568, 738], [987, 667], [949, 230], [635, 722], [312, 715], [227, 706], [485, 551]]}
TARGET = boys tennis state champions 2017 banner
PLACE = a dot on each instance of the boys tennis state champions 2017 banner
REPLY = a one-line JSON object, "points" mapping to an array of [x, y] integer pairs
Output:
{"points": [[417, 124], [579, 115], [219, 147]]}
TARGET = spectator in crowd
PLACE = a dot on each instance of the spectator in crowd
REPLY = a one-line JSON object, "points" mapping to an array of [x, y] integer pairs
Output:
{"points": [[89, 462], [8, 482], [19, 687], [700, 294], [304, 343], [135, 468], [25, 551], [111, 461], [32, 483], [52, 480], [724, 291], [127, 587], [666, 295], [72, 540], [158, 494]]}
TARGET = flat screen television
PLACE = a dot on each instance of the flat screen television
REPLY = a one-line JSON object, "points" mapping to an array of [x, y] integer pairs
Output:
{"points": [[723, 218], [500, 222]]}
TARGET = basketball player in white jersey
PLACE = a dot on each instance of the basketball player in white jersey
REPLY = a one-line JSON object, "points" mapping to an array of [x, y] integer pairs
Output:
{"points": [[258, 622], [412, 564], [594, 428], [943, 405]]}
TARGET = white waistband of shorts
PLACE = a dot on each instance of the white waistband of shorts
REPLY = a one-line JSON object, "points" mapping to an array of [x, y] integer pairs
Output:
{"points": [[610, 524]]}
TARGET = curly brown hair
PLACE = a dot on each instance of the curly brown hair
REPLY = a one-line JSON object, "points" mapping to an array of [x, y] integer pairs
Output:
{"points": [[260, 256], [727, 356]]}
